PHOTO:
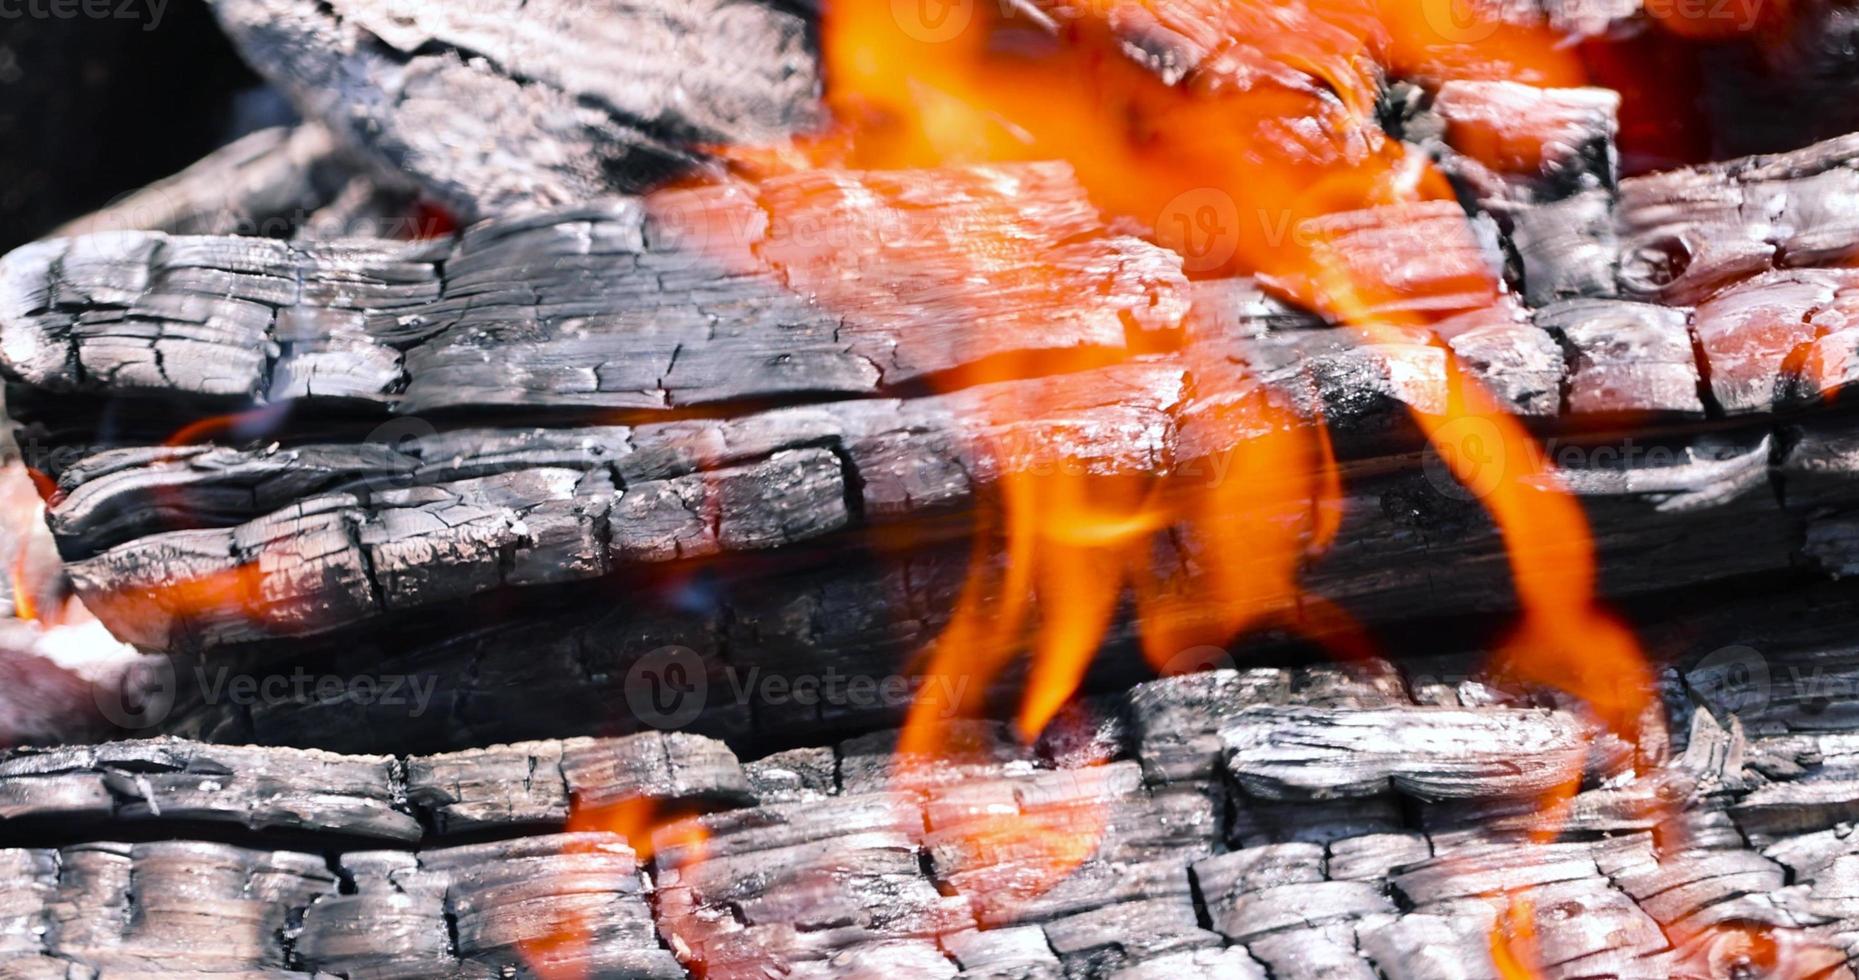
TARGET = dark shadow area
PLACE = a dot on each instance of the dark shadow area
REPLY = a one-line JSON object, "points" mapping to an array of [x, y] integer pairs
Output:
{"points": [[92, 107]]}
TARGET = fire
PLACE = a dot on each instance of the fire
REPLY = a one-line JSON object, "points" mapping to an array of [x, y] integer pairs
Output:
{"points": [[644, 823], [1513, 941], [557, 953], [1274, 506], [40, 594], [148, 614], [1276, 120], [25, 590], [1235, 161]]}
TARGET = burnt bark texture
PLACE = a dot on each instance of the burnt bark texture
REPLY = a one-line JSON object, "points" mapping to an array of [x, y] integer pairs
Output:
{"points": [[496, 508], [1286, 822], [498, 106], [769, 435], [280, 182]]}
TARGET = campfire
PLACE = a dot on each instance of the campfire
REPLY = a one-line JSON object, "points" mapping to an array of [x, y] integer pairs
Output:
{"points": [[1128, 489]]}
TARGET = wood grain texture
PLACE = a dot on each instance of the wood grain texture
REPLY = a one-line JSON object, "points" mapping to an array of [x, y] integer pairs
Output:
{"points": [[500, 106], [1230, 833], [685, 299], [273, 183]]}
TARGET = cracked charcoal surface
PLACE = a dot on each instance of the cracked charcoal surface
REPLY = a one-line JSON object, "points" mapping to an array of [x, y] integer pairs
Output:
{"points": [[313, 536], [1273, 822], [1210, 850], [495, 106]]}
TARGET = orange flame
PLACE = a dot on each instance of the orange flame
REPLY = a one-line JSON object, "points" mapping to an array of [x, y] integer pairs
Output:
{"points": [[555, 954], [1513, 941], [1275, 122], [25, 591], [1272, 123]]}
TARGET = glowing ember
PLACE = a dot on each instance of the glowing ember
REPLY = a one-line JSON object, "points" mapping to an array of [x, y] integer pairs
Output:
{"points": [[1513, 941], [1274, 120], [559, 953]]}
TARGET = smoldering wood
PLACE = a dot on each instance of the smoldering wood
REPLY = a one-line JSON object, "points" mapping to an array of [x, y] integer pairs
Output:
{"points": [[379, 324], [1754, 250], [494, 108], [1515, 145], [400, 542], [126, 782], [274, 183], [1412, 545], [1188, 867], [331, 534], [492, 120], [1686, 233], [682, 299], [318, 538]]}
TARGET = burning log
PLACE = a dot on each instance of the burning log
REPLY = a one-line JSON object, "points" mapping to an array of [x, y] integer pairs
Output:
{"points": [[1222, 828], [843, 407], [614, 306], [1687, 233]]}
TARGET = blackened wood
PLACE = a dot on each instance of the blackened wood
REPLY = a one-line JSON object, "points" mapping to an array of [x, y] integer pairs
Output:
{"points": [[1186, 869], [273, 183], [345, 551], [827, 618], [495, 107], [688, 298]]}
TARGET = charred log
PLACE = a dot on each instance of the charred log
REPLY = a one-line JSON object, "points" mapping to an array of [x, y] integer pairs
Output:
{"points": [[1230, 830], [685, 299], [275, 183], [494, 108]]}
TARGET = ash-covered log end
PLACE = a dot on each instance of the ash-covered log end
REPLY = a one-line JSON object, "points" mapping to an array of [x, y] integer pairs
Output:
{"points": [[497, 109]]}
